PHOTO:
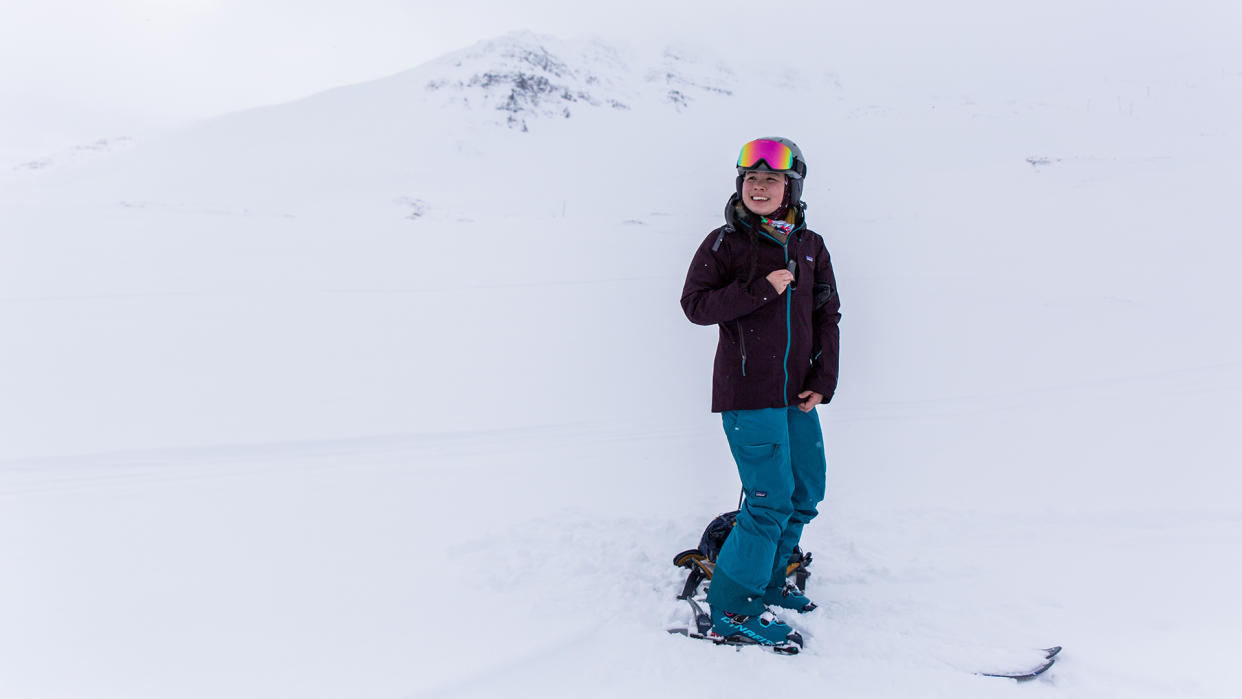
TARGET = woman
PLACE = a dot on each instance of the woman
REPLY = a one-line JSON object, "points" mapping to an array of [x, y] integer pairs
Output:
{"points": [[766, 282]]}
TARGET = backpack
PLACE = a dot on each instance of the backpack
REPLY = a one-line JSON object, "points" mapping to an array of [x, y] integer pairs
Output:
{"points": [[701, 561]]}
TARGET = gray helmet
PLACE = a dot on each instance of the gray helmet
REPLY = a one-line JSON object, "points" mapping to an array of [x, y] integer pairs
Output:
{"points": [[793, 175]]}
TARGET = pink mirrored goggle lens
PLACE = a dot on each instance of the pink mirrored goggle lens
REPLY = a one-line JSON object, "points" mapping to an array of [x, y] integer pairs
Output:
{"points": [[777, 155]]}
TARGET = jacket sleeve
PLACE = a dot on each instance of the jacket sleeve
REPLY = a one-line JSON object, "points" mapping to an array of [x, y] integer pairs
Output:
{"points": [[711, 294], [826, 345]]}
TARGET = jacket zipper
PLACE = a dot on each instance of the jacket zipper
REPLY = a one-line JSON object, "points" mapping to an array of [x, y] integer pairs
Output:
{"points": [[789, 309], [788, 314], [788, 330]]}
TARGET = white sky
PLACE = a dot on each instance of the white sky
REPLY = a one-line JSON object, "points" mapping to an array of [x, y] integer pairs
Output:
{"points": [[74, 70]]}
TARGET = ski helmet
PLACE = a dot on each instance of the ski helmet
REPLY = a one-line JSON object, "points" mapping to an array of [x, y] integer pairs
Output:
{"points": [[774, 154]]}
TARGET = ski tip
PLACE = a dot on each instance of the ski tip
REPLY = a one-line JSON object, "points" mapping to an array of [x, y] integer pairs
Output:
{"points": [[1051, 652]]}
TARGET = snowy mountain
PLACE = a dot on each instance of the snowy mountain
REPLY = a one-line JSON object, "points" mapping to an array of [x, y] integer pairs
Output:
{"points": [[436, 119], [386, 392]]}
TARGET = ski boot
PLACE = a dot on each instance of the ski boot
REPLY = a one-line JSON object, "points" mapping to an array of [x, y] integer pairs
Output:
{"points": [[764, 629]]}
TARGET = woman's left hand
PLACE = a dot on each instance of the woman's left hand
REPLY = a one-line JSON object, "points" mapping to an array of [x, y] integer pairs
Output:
{"points": [[810, 399]]}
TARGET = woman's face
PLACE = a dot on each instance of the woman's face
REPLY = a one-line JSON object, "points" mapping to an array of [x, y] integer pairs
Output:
{"points": [[763, 192]]}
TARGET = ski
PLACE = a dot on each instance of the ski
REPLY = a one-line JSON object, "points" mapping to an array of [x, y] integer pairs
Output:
{"points": [[1050, 659], [1023, 676], [791, 647]]}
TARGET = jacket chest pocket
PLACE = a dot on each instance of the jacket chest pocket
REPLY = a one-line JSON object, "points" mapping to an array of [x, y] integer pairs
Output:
{"points": [[804, 275]]}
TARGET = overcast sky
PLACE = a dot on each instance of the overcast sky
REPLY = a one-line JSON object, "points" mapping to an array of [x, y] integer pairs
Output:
{"points": [[74, 70]]}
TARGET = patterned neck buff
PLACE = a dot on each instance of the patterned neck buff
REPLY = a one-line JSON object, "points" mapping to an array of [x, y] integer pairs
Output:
{"points": [[785, 227], [777, 228], [780, 226]]}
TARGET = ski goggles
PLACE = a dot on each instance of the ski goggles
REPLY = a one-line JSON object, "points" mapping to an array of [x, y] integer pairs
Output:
{"points": [[776, 155]]}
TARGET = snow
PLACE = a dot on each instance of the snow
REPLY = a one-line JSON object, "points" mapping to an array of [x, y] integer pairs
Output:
{"points": [[377, 394]]}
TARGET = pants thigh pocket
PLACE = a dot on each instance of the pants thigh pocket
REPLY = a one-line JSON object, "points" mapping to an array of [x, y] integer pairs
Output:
{"points": [[765, 474]]}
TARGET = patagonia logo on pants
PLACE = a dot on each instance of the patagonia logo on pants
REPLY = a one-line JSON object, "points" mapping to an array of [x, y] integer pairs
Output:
{"points": [[761, 493]]}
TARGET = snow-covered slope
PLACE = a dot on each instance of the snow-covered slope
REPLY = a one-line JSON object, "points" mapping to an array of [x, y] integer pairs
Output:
{"points": [[386, 392]]}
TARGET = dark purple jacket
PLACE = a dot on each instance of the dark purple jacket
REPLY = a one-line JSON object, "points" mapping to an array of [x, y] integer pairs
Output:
{"points": [[772, 346]]}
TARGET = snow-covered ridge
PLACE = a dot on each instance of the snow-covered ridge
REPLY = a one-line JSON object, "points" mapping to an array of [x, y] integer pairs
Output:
{"points": [[527, 76]]}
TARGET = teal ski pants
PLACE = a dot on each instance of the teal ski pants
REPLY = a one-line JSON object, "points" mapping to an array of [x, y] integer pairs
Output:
{"points": [[780, 458]]}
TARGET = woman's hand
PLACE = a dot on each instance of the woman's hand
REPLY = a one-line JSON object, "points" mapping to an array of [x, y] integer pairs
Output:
{"points": [[810, 399], [780, 279]]}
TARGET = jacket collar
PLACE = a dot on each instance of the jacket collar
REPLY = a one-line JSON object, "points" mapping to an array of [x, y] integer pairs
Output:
{"points": [[737, 218]]}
